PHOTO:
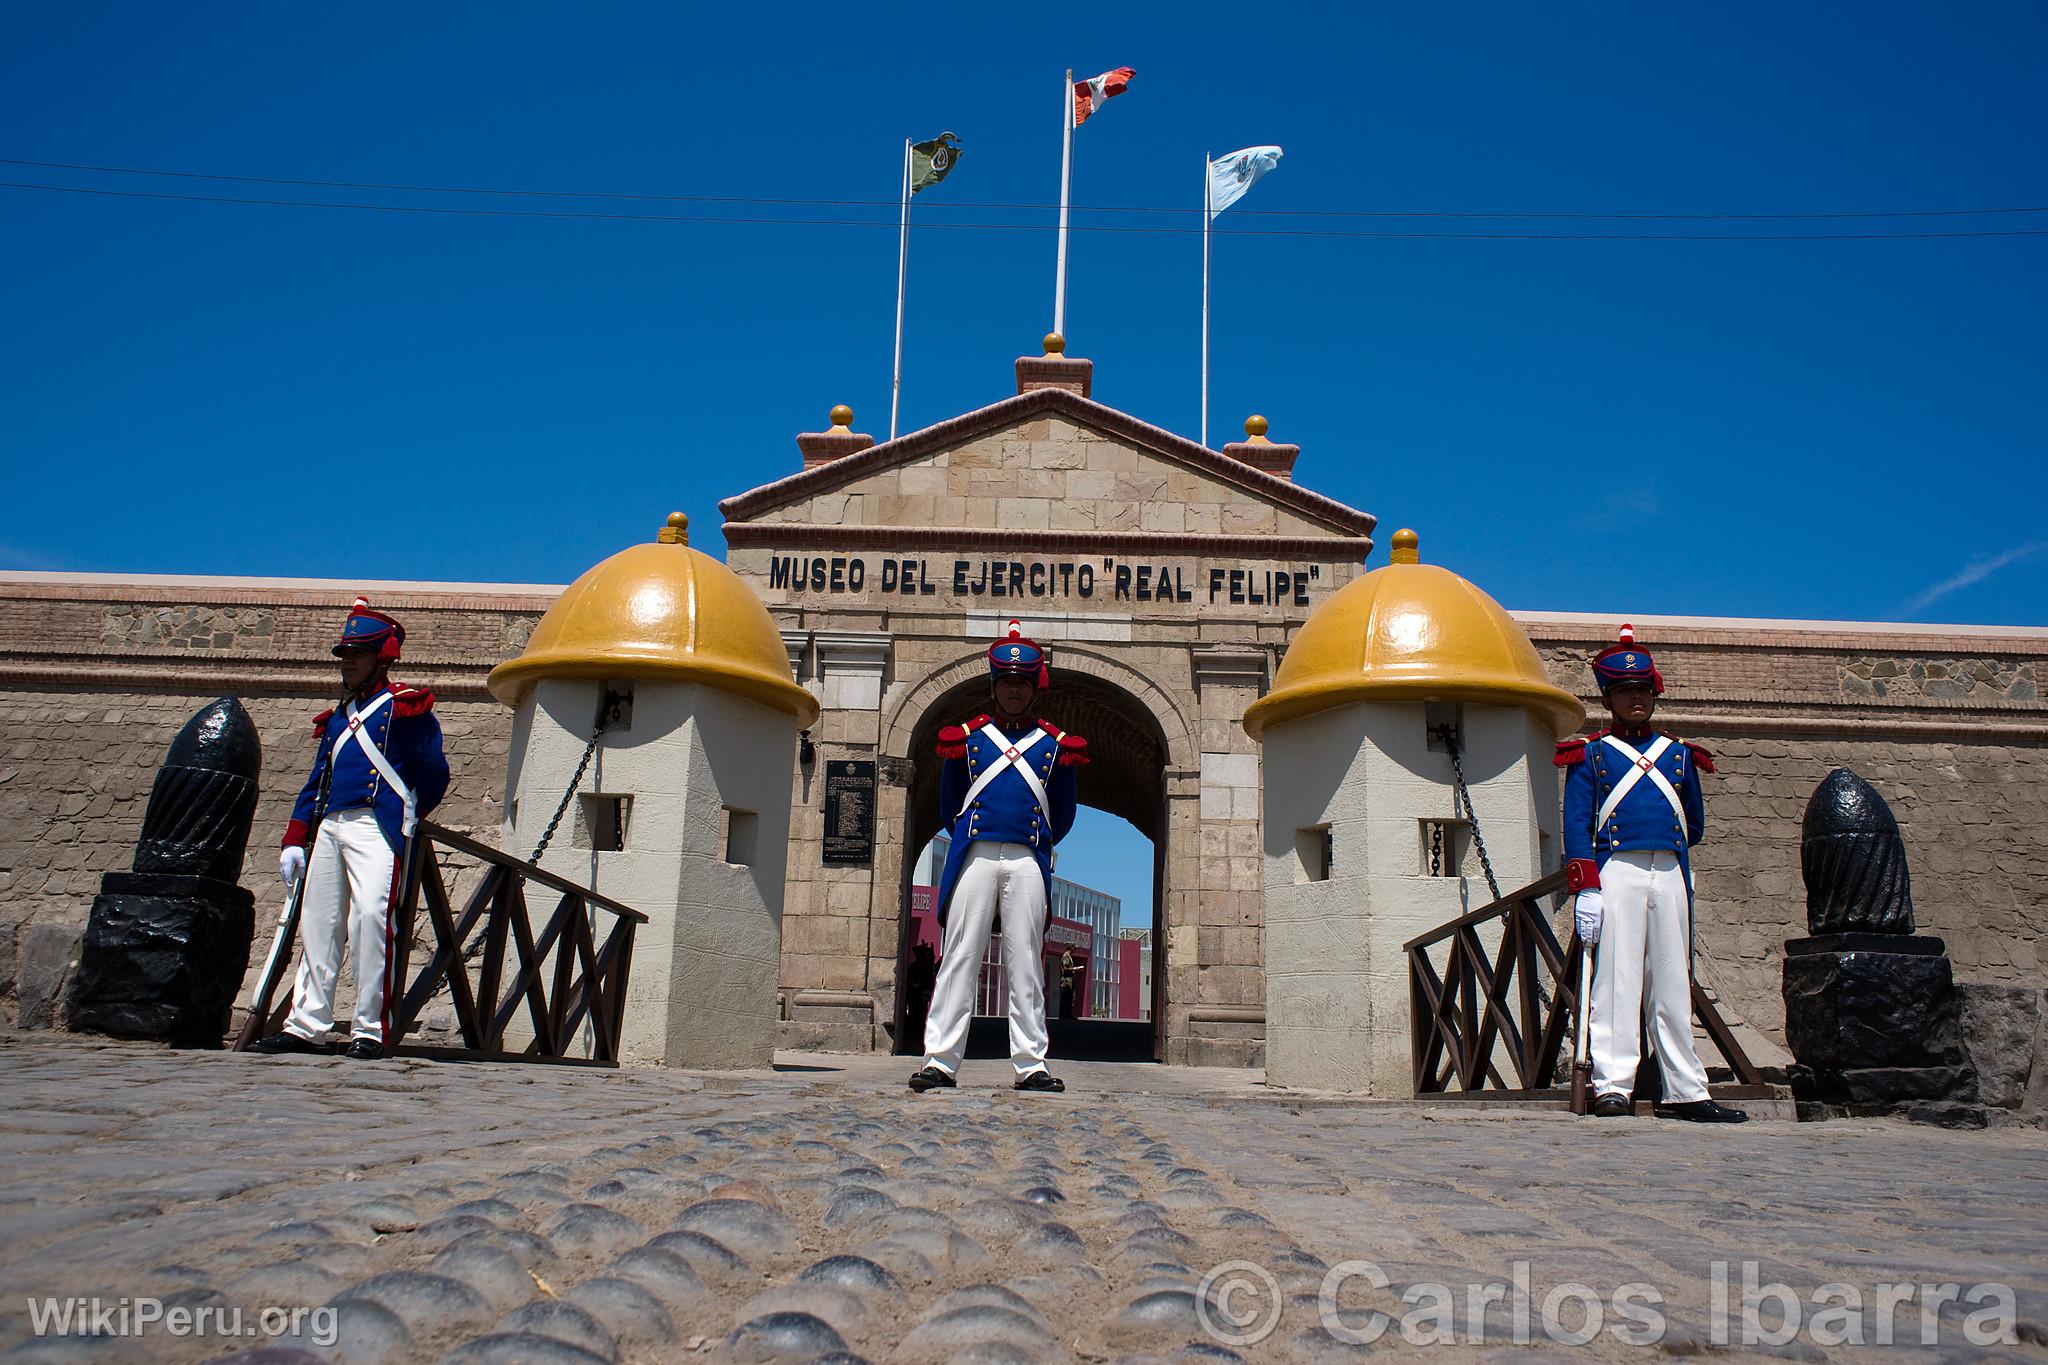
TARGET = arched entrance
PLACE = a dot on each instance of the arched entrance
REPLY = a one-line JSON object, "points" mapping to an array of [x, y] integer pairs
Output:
{"points": [[1126, 776]]}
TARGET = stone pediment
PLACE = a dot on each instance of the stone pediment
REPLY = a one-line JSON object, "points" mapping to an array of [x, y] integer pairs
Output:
{"points": [[1053, 467]]}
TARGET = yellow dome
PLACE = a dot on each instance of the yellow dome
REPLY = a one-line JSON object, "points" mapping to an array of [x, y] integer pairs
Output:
{"points": [[662, 611], [1411, 632]]}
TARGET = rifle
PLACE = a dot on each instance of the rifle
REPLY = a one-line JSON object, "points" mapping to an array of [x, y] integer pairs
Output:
{"points": [[288, 922], [1582, 1050]]}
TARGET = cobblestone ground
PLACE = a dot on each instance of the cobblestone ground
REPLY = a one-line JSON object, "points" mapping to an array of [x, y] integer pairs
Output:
{"points": [[822, 1212]]}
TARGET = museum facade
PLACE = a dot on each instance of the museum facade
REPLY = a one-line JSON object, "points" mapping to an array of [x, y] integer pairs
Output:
{"points": [[1168, 579]]}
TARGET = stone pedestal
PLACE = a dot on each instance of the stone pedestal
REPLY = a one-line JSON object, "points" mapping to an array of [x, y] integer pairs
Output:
{"points": [[1874, 1020], [163, 957], [167, 943]]}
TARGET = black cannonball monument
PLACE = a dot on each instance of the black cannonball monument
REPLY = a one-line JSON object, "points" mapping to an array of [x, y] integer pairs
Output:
{"points": [[1871, 1010], [168, 941]]}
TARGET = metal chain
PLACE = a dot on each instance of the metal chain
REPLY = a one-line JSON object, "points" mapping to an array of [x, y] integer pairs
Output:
{"points": [[1436, 848], [582, 765], [607, 708], [1471, 815]]}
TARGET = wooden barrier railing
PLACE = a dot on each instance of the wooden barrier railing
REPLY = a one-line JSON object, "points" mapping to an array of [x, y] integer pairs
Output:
{"points": [[1515, 1002], [561, 978]]}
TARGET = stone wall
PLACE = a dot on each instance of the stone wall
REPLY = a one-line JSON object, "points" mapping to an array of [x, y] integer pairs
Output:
{"points": [[96, 678], [1975, 820], [97, 675]]}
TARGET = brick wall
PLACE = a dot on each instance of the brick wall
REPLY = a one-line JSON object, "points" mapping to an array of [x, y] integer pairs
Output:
{"points": [[96, 677]]}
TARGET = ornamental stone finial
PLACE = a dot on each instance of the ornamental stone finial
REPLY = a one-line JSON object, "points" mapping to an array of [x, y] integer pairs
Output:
{"points": [[1853, 860]]}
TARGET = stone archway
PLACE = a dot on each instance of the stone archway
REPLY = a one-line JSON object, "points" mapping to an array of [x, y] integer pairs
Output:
{"points": [[1137, 739]]}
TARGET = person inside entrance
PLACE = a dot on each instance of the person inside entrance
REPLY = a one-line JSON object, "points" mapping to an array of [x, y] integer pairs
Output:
{"points": [[1007, 793]]}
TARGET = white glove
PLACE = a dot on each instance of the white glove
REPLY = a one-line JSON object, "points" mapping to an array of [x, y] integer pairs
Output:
{"points": [[1586, 914], [291, 865]]}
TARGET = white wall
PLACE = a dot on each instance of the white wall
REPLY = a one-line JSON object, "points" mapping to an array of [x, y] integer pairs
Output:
{"points": [[702, 992], [1337, 997]]}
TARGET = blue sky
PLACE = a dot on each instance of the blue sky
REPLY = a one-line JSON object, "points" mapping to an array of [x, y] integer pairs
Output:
{"points": [[1835, 429]]}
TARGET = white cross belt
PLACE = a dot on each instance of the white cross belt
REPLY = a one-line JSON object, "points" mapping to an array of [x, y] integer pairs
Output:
{"points": [[1010, 758], [357, 731], [1641, 765]]}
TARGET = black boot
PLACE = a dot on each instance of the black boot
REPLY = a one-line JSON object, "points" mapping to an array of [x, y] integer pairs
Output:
{"points": [[1039, 1080], [285, 1041], [1612, 1107], [932, 1078], [1702, 1111]]}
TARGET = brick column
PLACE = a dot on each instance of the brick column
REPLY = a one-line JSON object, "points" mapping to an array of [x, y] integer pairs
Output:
{"points": [[836, 442]]}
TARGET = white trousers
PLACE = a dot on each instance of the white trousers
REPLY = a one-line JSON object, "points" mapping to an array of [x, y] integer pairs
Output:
{"points": [[352, 880], [1644, 929], [993, 877]]}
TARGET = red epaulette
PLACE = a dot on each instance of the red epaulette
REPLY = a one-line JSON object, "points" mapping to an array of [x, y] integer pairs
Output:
{"points": [[1700, 757], [411, 701], [952, 741], [320, 722], [1073, 751], [1570, 752]]}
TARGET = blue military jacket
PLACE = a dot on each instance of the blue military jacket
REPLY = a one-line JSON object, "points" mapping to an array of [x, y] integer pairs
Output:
{"points": [[406, 734], [1644, 820], [1005, 810]]}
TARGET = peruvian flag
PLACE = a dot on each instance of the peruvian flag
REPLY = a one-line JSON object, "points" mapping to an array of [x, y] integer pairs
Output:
{"points": [[1091, 94]]}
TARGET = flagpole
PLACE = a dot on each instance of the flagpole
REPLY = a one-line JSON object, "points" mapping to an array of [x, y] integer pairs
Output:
{"points": [[1206, 215], [1059, 294], [902, 277]]}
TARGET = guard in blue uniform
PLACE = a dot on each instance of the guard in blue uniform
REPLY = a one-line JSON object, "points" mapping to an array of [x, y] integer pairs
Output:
{"points": [[384, 749], [1632, 812], [1007, 794]]}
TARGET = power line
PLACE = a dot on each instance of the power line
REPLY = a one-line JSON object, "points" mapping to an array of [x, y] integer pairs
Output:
{"points": [[589, 216], [393, 187]]}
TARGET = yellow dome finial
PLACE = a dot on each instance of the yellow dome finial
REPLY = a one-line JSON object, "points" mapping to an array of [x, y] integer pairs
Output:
{"points": [[1411, 632], [1255, 430], [665, 613], [841, 418], [1055, 344]]}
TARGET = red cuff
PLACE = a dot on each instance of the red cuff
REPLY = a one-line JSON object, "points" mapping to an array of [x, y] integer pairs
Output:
{"points": [[1581, 874], [294, 835]]}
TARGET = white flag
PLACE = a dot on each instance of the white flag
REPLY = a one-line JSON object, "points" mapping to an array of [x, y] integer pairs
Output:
{"points": [[1231, 175]]}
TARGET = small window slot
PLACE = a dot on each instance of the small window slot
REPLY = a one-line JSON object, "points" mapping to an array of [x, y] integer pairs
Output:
{"points": [[742, 830], [602, 821], [1315, 854], [1444, 847]]}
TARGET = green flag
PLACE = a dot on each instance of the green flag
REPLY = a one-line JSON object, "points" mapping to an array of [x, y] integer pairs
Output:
{"points": [[930, 161]]}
